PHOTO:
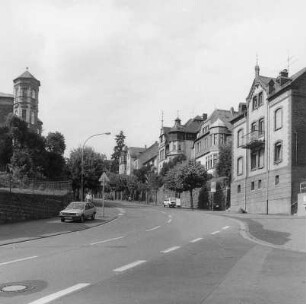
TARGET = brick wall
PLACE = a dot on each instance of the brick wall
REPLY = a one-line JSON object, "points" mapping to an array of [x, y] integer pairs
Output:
{"points": [[16, 207]]}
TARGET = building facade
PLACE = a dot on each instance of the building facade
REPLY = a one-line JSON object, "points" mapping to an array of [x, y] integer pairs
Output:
{"points": [[24, 102], [214, 132], [269, 145], [178, 140]]}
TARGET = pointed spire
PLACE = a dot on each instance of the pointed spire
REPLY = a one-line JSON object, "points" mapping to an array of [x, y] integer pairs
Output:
{"points": [[257, 69]]}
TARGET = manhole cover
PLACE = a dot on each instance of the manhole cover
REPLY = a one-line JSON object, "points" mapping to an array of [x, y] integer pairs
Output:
{"points": [[13, 288], [25, 287]]}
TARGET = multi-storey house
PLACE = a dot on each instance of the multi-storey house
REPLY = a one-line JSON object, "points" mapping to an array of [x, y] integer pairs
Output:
{"points": [[269, 145], [215, 131], [128, 159], [24, 102], [178, 140]]}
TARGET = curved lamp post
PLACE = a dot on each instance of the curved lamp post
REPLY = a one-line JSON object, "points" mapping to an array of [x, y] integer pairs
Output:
{"points": [[82, 161]]}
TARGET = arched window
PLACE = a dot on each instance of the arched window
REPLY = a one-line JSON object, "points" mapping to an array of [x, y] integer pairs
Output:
{"points": [[239, 137], [278, 151], [240, 166], [278, 119]]}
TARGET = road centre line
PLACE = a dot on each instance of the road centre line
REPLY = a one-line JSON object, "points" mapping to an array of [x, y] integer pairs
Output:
{"points": [[18, 260], [170, 249], [196, 240], [215, 232], [60, 294], [154, 228], [169, 221], [225, 227], [106, 241], [129, 266]]}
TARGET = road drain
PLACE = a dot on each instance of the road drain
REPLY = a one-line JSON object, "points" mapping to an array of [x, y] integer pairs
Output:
{"points": [[24, 287]]}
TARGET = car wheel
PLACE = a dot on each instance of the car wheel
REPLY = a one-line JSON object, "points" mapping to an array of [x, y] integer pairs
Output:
{"points": [[82, 218], [93, 216], [62, 219]]}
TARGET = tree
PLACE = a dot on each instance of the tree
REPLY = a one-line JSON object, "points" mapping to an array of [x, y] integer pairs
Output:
{"points": [[172, 163], [117, 151], [55, 142], [6, 146], [93, 168], [186, 177], [224, 165]]}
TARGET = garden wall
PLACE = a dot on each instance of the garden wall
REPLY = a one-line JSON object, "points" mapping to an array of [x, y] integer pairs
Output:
{"points": [[16, 207]]}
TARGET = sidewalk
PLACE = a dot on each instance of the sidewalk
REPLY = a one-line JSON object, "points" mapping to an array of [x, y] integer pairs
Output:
{"points": [[31, 230], [279, 231]]}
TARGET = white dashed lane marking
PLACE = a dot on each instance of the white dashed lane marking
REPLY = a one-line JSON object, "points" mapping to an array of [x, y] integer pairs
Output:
{"points": [[226, 227], [196, 240], [129, 266], [60, 294], [215, 232], [106, 241], [170, 249], [154, 228], [18, 260]]}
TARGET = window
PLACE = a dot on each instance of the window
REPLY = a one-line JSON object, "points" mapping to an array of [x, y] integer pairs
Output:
{"points": [[261, 157], [259, 184], [276, 179], [253, 160], [255, 102], [261, 126], [240, 166], [240, 137], [24, 114], [215, 139], [252, 185], [278, 119], [278, 151], [239, 188], [179, 147], [215, 159], [33, 94], [260, 100], [253, 126]]}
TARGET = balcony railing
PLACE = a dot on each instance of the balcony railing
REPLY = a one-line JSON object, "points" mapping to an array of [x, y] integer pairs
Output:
{"points": [[253, 139]]}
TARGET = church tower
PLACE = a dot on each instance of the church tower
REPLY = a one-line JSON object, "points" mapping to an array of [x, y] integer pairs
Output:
{"points": [[26, 88]]}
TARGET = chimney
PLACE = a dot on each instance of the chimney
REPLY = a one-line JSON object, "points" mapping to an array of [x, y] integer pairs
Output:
{"points": [[271, 86], [242, 107], [204, 116], [232, 111], [282, 77]]}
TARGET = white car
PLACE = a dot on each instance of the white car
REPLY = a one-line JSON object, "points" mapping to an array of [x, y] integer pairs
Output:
{"points": [[170, 202], [78, 211]]}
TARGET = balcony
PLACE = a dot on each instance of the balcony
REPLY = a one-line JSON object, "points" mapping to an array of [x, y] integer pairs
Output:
{"points": [[253, 140]]}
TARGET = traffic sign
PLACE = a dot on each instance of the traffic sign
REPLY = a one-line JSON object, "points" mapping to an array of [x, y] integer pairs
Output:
{"points": [[104, 179]]}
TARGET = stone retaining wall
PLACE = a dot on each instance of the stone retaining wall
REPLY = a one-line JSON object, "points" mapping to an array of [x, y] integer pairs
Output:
{"points": [[17, 207]]}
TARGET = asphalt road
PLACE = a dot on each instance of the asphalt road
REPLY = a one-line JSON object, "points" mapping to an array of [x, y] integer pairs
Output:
{"points": [[151, 255]]}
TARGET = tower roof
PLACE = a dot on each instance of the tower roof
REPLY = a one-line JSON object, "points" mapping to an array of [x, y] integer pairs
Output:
{"points": [[26, 75]]}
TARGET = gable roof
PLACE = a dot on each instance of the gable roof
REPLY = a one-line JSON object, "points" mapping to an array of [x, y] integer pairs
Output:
{"points": [[135, 151], [149, 153]]}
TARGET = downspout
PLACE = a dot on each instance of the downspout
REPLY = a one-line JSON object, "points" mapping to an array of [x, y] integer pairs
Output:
{"points": [[267, 158]]}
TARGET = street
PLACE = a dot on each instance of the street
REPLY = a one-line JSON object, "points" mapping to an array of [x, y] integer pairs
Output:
{"points": [[151, 254]]}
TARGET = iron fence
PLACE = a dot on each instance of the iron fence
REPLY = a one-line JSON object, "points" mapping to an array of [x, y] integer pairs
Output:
{"points": [[28, 185]]}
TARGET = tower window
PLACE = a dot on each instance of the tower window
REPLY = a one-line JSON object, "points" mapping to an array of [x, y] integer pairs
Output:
{"points": [[24, 114]]}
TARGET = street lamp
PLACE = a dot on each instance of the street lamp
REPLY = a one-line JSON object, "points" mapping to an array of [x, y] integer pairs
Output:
{"points": [[82, 161]]}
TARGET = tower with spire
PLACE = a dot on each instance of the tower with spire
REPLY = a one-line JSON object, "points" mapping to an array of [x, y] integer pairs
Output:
{"points": [[26, 89]]}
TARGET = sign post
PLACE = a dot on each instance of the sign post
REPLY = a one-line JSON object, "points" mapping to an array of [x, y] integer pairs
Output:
{"points": [[103, 180]]}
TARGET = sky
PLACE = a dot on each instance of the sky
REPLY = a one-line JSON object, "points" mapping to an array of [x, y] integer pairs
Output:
{"points": [[117, 65]]}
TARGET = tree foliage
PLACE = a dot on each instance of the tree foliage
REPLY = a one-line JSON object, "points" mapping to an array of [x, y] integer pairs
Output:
{"points": [[186, 177], [93, 164], [172, 163], [117, 151], [55, 143], [26, 152], [224, 165]]}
